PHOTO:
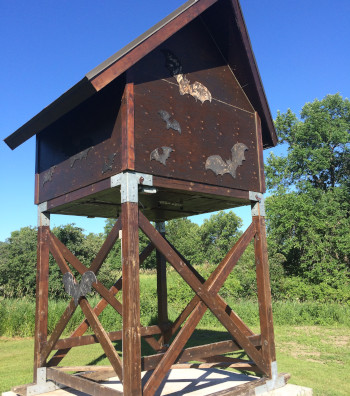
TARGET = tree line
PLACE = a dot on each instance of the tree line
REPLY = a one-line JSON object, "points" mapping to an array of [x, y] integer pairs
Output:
{"points": [[308, 221]]}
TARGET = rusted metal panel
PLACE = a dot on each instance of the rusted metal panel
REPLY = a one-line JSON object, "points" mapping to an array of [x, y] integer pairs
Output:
{"points": [[195, 93]]}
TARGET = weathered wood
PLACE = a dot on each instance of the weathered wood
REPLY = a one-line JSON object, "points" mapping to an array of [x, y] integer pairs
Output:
{"points": [[76, 338], [153, 343], [61, 325], [102, 290], [247, 389], [79, 194], [127, 133], [106, 247], [196, 353], [82, 340], [208, 299], [83, 147], [226, 365], [81, 329], [58, 256], [264, 293], [80, 384], [162, 292], [82, 368], [232, 257], [102, 337], [260, 153], [42, 290], [131, 300]]}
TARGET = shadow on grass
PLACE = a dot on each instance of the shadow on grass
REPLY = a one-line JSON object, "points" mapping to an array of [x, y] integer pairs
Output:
{"points": [[199, 337]]}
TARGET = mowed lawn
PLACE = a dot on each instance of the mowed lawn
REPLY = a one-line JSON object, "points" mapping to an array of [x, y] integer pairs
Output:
{"points": [[316, 356]]}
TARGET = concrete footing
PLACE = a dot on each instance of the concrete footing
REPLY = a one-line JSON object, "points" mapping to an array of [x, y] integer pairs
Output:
{"points": [[199, 382]]}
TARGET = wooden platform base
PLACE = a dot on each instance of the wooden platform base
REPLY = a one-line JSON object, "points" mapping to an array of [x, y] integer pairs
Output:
{"points": [[189, 381]]}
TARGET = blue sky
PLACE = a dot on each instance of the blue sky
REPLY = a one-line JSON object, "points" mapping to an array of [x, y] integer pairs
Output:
{"points": [[301, 47]]}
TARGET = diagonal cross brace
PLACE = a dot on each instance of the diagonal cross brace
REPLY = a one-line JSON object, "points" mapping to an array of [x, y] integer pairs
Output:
{"points": [[82, 328], [206, 293], [95, 324], [95, 266]]}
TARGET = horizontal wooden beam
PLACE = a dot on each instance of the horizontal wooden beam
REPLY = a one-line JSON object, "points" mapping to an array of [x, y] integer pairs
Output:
{"points": [[92, 339], [198, 352], [80, 384], [241, 196]]}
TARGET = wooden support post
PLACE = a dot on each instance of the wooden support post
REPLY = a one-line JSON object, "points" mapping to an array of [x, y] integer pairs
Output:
{"points": [[264, 289], [42, 289], [162, 285], [131, 301]]}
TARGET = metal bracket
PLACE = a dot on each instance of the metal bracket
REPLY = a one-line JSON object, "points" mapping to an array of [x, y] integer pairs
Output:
{"points": [[274, 383], [42, 386], [43, 215], [160, 227], [258, 203], [129, 182]]}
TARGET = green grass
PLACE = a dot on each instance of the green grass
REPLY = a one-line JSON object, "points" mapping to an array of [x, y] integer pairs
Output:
{"points": [[18, 315], [316, 356], [312, 339]]}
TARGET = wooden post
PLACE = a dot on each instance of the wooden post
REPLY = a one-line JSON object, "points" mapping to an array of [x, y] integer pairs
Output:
{"points": [[264, 289], [162, 284], [131, 301], [42, 289]]}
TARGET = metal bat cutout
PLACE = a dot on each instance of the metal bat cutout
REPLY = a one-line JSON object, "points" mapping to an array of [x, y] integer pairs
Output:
{"points": [[47, 177], [77, 290], [161, 157], [80, 156], [173, 124], [197, 89], [220, 167]]}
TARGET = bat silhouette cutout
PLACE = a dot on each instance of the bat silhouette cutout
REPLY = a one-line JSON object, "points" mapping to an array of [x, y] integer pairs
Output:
{"points": [[47, 177], [220, 167], [197, 89], [77, 290], [173, 124], [80, 156], [161, 156]]}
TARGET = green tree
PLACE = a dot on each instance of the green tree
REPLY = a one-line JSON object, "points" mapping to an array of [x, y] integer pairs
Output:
{"points": [[218, 235], [309, 212], [18, 257], [185, 236], [18, 263], [318, 150], [84, 247]]}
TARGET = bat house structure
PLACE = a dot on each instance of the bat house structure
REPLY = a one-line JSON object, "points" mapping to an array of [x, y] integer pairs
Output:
{"points": [[172, 125]]}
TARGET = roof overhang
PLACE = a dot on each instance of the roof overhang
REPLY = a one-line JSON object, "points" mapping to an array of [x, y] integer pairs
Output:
{"points": [[122, 60]]}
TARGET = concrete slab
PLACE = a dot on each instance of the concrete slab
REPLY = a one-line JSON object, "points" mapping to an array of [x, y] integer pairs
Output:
{"points": [[192, 382]]}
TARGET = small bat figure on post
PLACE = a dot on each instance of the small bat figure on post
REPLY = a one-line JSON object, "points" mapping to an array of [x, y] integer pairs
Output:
{"points": [[161, 157], [77, 290], [197, 89], [220, 167], [173, 124]]}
